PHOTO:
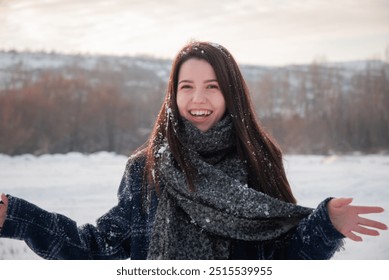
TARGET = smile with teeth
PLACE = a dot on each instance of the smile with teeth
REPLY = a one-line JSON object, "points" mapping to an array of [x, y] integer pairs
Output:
{"points": [[200, 113]]}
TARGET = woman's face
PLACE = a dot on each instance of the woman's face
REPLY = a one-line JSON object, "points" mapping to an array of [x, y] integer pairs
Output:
{"points": [[199, 98]]}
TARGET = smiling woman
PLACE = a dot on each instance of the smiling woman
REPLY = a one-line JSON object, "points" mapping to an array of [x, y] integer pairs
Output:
{"points": [[208, 184]]}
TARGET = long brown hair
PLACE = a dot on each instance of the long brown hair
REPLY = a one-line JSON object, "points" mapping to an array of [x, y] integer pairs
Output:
{"points": [[255, 146]]}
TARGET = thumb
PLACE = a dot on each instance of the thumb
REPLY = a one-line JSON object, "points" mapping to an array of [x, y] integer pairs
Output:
{"points": [[340, 202], [4, 199]]}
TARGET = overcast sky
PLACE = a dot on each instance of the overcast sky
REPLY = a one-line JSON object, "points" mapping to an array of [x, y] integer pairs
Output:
{"points": [[270, 32]]}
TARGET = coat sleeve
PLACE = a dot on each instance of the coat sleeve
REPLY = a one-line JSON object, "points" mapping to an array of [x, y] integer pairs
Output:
{"points": [[315, 237], [54, 236]]}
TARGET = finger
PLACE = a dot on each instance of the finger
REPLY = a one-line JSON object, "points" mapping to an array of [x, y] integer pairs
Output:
{"points": [[340, 202], [368, 209], [366, 231], [352, 236], [372, 223]]}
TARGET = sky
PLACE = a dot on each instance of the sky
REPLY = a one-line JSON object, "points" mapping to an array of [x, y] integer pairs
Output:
{"points": [[266, 32]]}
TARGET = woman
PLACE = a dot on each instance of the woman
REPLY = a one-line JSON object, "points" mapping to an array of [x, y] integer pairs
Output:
{"points": [[208, 184]]}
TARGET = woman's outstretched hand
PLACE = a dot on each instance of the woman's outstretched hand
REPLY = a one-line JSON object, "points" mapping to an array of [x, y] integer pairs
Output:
{"points": [[346, 219], [3, 209]]}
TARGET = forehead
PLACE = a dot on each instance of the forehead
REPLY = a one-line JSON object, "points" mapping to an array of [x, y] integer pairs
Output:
{"points": [[195, 67]]}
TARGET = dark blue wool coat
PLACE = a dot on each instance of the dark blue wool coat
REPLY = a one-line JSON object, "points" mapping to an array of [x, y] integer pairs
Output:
{"points": [[124, 232]]}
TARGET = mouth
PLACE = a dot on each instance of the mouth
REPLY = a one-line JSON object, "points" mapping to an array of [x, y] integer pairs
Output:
{"points": [[200, 113]]}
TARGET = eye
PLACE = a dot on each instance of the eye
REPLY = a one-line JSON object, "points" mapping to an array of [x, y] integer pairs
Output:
{"points": [[213, 86], [185, 86]]}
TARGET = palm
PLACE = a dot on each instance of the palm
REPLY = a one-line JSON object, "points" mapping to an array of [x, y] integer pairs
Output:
{"points": [[346, 219]]}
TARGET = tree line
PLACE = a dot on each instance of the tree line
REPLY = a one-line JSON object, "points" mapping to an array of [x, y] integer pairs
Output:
{"points": [[326, 109], [316, 109]]}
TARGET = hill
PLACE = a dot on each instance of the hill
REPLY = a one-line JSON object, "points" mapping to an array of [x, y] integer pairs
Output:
{"points": [[53, 102]]}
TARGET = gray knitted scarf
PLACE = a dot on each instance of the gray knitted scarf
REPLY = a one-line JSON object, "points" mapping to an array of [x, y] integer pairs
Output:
{"points": [[201, 224]]}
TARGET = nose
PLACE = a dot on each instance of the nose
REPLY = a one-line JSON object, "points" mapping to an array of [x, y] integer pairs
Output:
{"points": [[199, 97]]}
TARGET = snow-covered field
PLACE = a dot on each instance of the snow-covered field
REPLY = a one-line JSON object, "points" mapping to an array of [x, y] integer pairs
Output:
{"points": [[84, 187]]}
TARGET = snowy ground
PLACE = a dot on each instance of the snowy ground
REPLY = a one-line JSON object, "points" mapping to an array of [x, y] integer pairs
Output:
{"points": [[84, 187]]}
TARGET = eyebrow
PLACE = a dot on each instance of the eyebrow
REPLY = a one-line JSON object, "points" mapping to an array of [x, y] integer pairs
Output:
{"points": [[189, 81]]}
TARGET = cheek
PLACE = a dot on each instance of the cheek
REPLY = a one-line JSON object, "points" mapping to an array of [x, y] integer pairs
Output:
{"points": [[221, 105], [181, 104]]}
